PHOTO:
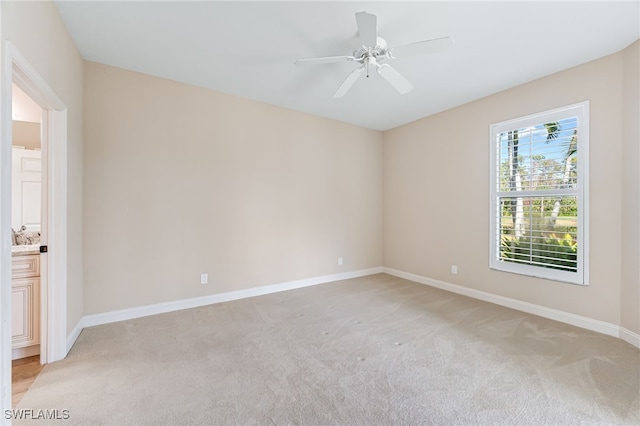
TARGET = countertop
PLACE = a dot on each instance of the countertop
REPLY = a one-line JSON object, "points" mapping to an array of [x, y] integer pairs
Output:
{"points": [[25, 250]]}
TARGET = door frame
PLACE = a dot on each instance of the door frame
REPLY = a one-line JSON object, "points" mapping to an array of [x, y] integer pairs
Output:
{"points": [[53, 294]]}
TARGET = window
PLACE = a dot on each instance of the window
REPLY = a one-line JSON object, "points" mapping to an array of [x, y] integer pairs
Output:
{"points": [[539, 210]]}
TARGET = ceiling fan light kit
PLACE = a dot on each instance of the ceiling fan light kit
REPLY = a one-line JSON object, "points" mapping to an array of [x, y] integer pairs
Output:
{"points": [[374, 51]]}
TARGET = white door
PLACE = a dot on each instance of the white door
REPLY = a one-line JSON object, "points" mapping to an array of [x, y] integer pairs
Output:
{"points": [[26, 189]]}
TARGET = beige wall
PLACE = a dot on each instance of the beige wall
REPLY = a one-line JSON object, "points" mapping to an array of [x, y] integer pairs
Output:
{"points": [[181, 180], [630, 290], [36, 29], [436, 191], [25, 134]]}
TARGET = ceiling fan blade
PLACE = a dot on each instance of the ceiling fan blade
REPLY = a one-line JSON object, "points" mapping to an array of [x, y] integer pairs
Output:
{"points": [[325, 60], [348, 82], [367, 28], [395, 79], [421, 47]]}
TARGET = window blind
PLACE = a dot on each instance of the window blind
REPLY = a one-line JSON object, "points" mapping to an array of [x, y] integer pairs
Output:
{"points": [[537, 192]]}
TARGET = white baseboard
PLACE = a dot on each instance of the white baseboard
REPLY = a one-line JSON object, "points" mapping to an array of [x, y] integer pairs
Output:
{"points": [[75, 333], [630, 337], [542, 311], [160, 308]]}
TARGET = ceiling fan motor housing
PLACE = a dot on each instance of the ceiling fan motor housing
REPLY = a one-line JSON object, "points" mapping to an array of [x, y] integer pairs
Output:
{"points": [[380, 50]]}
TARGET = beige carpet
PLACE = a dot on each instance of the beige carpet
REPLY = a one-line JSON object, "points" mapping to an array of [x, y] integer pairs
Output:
{"points": [[366, 351]]}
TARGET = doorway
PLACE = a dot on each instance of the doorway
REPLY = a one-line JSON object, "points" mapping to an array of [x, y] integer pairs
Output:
{"points": [[53, 265], [28, 222]]}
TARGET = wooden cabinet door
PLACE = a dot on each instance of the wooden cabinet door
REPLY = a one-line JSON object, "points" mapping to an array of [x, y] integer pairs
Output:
{"points": [[25, 312]]}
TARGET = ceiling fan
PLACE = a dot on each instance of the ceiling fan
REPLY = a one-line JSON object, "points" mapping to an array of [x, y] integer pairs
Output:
{"points": [[374, 52]]}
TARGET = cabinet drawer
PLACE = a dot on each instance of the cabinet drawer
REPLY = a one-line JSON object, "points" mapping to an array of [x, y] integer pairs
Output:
{"points": [[25, 266]]}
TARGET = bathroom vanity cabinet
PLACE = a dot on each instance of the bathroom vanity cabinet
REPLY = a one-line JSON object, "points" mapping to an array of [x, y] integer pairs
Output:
{"points": [[25, 305]]}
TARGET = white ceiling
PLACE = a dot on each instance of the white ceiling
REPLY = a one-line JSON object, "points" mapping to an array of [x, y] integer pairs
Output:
{"points": [[248, 48]]}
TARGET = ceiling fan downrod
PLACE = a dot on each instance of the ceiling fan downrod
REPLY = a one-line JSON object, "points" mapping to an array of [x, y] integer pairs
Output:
{"points": [[368, 62]]}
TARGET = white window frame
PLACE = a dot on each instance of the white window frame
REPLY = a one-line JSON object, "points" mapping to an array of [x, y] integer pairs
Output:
{"points": [[581, 276]]}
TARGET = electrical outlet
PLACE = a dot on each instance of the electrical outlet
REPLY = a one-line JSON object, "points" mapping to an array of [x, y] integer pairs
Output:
{"points": [[204, 278], [339, 261], [454, 269]]}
